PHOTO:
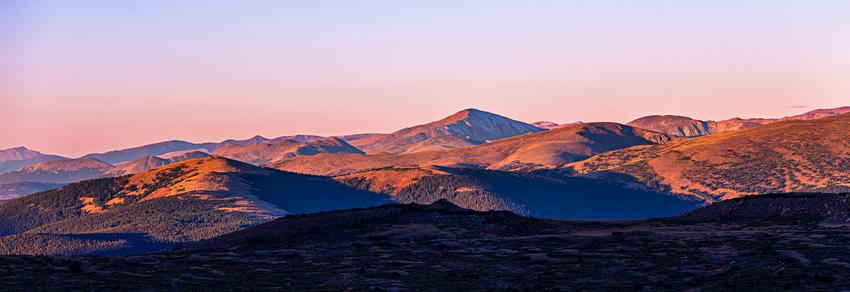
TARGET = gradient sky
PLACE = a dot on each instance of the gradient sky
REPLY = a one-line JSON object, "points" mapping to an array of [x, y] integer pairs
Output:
{"points": [[90, 76]]}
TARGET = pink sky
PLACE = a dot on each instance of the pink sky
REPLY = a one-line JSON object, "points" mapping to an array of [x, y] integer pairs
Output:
{"points": [[86, 77]]}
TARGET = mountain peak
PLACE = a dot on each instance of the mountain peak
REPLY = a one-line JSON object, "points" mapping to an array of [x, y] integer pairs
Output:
{"points": [[675, 125], [464, 128], [471, 110], [465, 114], [17, 153]]}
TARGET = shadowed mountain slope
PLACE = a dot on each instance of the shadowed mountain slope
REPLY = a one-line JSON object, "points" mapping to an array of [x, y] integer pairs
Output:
{"points": [[19, 189], [827, 208], [522, 193]]}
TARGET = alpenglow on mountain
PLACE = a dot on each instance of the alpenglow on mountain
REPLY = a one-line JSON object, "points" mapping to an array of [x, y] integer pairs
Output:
{"points": [[465, 128]]}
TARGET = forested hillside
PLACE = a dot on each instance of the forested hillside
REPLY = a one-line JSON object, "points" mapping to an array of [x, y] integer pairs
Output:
{"points": [[530, 194], [173, 204]]}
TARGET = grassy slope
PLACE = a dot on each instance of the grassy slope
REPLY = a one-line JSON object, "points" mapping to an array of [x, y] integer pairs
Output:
{"points": [[781, 157]]}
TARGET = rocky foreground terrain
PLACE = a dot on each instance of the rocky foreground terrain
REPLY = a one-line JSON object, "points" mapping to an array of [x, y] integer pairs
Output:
{"points": [[443, 247]]}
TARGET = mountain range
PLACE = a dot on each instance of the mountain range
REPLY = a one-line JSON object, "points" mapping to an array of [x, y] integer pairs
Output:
{"points": [[680, 126], [474, 125], [418, 145], [196, 199], [556, 146], [156, 196], [19, 157], [57, 171]]}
